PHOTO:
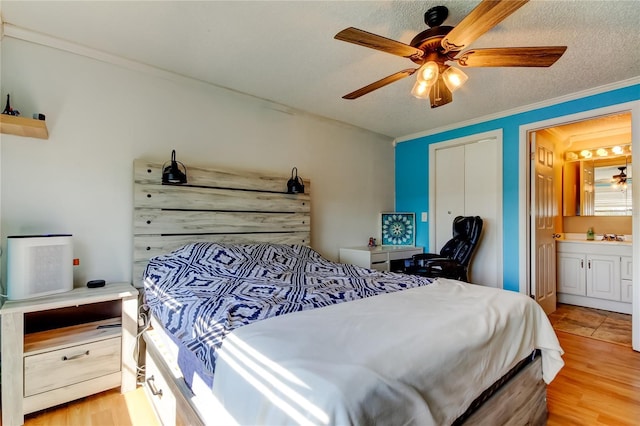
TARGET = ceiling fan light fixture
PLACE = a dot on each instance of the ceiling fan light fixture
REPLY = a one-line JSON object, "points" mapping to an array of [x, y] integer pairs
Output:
{"points": [[428, 73], [427, 76], [421, 90], [454, 78]]}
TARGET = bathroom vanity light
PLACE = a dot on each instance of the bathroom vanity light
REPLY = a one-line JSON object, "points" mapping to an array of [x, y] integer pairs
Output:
{"points": [[607, 151]]}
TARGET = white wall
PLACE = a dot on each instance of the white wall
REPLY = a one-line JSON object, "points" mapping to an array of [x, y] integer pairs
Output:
{"points": [[102, 116]]}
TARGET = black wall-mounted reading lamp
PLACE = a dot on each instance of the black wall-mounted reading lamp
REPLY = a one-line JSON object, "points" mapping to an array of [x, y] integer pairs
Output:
{"points": [[295, 185], [172, 173]]}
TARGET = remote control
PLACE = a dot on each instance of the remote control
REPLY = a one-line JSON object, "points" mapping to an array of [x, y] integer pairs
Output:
{"points": [[95, 283]]}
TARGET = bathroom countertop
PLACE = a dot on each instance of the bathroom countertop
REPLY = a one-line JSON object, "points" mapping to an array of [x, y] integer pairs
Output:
{"points": [[582, 238]]}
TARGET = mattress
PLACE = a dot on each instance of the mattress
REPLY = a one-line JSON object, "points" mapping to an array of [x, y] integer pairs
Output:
{"points": [[403, 349]]}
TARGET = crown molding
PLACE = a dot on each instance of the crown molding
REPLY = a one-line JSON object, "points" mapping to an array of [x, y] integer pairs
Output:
{"points": [[35, 37], [522, 109]]}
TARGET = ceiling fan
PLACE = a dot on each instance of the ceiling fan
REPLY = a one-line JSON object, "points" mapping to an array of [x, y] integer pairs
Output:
{"points": [[620, 179], [432, 48]]}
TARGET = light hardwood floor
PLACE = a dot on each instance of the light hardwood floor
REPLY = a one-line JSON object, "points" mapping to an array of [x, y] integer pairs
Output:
{"points": [[108, 408], [599, 385]]}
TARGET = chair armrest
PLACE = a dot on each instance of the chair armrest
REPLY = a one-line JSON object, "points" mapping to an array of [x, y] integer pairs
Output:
{"points": [[441, 267], [421, 258], [424, 256], [441, 262]]}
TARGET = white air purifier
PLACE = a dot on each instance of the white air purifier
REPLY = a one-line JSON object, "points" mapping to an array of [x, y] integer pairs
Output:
{"points": [[38, 265]]}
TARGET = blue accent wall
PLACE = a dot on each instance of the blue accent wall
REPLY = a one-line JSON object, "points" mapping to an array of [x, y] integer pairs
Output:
{"points": [[412, 167]]}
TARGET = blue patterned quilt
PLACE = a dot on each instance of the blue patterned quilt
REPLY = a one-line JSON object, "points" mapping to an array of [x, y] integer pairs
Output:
{"points": [[203, 291]]}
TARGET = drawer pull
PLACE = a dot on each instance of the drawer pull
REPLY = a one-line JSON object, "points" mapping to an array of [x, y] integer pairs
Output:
{"points": [[151, 381], [69, 358]]}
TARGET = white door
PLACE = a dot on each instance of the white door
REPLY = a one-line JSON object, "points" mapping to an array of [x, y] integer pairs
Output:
{"points": [[466, 180], [450, 179], [543, 253], [483, 173]]}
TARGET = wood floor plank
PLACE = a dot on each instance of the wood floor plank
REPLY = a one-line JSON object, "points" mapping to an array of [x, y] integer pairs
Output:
{"points": [[599, 385], [139, 409], [109, 408]]}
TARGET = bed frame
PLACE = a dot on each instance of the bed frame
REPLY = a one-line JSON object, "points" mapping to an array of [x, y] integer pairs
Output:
{"points": [[244, 207]]}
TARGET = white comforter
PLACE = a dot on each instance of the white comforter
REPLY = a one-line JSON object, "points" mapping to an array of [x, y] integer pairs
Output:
{"points": [[419, 356]]}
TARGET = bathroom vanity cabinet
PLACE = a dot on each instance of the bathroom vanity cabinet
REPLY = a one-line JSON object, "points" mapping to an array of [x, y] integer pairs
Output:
{"points": [[596, 274]]}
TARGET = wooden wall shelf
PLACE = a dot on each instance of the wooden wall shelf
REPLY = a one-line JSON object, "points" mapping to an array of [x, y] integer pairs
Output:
{"points": [[22, 126]]}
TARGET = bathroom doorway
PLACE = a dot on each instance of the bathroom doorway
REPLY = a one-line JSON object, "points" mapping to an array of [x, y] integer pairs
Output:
{"points": [[568, 146]]}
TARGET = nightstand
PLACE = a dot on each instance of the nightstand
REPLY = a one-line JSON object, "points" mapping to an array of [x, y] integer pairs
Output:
{"points": [[382, 258], [65, 346]]}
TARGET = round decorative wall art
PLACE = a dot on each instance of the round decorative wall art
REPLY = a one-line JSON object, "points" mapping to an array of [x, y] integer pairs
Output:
{"points": [[398, 229]]}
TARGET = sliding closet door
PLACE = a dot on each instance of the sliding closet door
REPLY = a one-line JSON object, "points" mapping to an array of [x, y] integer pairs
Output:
{"points": [[449, 188], [467, 181], [482, 197]]}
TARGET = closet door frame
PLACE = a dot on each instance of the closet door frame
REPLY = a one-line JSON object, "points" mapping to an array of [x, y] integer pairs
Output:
{"points": [[497, 221]]}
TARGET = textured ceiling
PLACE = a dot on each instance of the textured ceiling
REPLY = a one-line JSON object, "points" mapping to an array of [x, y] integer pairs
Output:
{"points": [[285, 52]]}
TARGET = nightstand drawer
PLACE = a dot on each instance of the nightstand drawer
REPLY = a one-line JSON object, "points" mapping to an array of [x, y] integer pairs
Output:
{"points": [[379, 257], [73, 364]]}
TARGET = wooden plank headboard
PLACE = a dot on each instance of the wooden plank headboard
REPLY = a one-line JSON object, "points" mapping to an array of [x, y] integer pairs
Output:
{"points": [[215, 205]]}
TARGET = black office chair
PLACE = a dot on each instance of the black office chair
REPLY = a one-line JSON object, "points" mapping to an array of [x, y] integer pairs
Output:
{"points": [[455, 256]]}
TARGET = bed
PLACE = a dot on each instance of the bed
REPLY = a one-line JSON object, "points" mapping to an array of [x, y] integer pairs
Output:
{"points": [[252, 326]]}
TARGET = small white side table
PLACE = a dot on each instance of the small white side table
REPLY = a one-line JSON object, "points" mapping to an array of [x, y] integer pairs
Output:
{"points": [[57, 365], [379, 257]]}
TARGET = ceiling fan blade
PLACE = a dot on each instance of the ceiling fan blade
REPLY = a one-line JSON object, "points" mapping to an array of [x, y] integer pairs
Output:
{"points": [[374, 41], [511, 57], [380, 83], [485, 16]]}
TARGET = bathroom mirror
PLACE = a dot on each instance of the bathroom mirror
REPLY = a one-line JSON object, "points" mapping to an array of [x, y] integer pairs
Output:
{"points": [[600, 187]]}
